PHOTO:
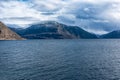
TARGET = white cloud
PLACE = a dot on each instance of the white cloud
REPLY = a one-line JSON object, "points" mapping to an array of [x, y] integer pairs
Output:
{"points": [[113, 13], [99, 32], [80, 12], [14, 9]]}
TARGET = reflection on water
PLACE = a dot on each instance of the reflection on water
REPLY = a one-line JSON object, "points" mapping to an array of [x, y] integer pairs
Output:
{"points": [[60, 60]]}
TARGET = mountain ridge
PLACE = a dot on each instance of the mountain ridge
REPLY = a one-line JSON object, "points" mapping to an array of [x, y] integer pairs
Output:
{"points": [[55, 30], [112, 35]]}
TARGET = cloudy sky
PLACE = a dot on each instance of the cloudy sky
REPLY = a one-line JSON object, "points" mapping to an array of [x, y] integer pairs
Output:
{"points": [[97, 16]]}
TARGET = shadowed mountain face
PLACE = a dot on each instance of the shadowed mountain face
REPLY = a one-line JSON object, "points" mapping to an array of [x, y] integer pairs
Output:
{"points": [[53, 30], [113, 34], [7, 34]]}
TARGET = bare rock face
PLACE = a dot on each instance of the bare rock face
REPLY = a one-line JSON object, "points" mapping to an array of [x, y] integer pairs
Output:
{"points": [[7, 34]]}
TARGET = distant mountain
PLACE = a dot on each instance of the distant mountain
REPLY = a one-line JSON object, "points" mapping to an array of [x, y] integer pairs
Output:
{"points": [[113, 34], [53, 30], [13, 25], [19, 31], [7, 34]]}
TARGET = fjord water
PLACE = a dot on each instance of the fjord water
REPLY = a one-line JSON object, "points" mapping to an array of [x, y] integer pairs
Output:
{"points": [[60, 60]]}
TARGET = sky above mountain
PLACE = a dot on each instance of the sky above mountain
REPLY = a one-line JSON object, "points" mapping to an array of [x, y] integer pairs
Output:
{"points": [[97, 16]]}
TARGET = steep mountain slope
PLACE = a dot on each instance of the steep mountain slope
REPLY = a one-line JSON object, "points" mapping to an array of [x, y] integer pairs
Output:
{"points": [[7, 34], [54, 30], [113, 34]]}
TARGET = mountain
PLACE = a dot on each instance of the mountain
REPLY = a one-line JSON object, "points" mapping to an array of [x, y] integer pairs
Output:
{"points": [[53, 30], [113, 34], [7, 34]]}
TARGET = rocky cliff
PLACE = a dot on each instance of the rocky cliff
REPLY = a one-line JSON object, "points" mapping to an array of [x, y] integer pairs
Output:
{"points": [[7, 34]]}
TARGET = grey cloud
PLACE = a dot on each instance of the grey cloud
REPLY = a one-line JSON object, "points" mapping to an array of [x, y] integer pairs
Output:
{"points": [[88, 15]]}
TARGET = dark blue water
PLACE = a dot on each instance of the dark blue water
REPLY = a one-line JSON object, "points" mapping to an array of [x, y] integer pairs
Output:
{"points": [[60, 60]]}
